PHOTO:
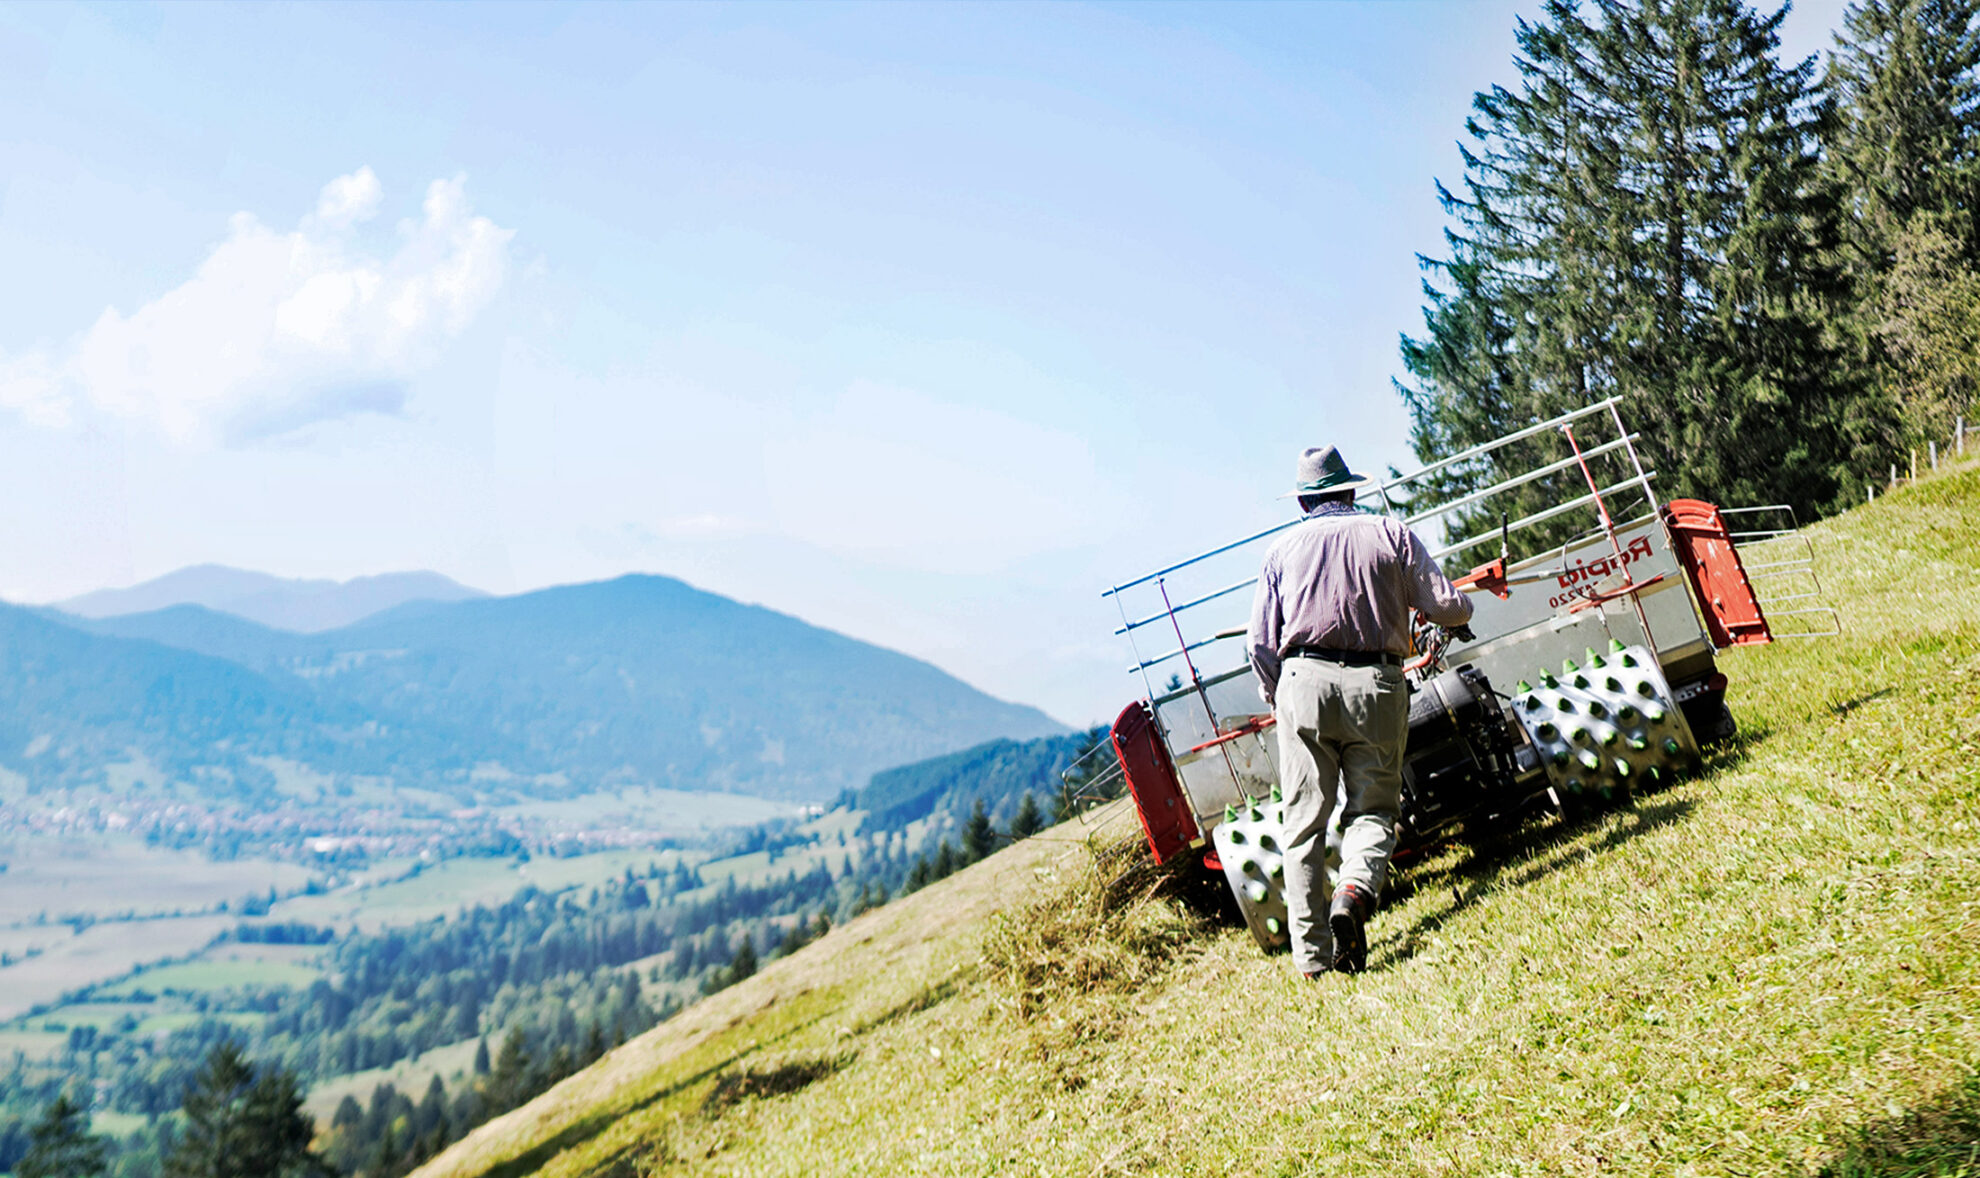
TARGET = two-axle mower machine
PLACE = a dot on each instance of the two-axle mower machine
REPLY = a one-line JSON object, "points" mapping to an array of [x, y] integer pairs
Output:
{"points": [[1590, 670]]}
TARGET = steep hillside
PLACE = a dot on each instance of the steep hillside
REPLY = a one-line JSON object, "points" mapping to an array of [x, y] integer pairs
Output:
{"points": [[281, 602], [641, 680], [1770, 968]]}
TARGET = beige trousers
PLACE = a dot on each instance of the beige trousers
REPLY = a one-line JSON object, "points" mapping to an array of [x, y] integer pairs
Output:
{"points": [[1343, 725]]}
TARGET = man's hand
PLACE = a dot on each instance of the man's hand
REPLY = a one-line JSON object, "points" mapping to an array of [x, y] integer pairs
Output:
{"points": [[1489, 577]]}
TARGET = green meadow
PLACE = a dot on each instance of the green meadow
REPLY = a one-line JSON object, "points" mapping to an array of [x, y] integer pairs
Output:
{"points": [[1772, 967]]}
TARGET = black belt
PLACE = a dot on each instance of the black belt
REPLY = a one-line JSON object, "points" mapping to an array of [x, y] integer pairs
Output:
{"points": [[1346, 658]]}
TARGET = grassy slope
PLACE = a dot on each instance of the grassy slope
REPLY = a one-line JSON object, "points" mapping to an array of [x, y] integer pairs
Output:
{"points": [[1770, 968]]}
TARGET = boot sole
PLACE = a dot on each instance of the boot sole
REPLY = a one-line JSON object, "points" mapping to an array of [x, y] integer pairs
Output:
{"points": [[1350, 944]]}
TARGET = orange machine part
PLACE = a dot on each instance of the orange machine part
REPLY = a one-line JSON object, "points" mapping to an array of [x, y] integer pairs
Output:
{"points": [[1705, 547], [1151, 776]]}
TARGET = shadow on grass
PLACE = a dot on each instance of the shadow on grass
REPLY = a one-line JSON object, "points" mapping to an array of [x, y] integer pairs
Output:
{"points": [[766, 1081], [759, 1081], [933, 994], [579, 1132], [1938, 1139], [1518, 859], [1843, 709]]}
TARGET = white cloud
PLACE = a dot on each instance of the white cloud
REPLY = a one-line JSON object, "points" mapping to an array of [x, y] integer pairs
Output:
{"points": [[349, 199], [276, 330]]}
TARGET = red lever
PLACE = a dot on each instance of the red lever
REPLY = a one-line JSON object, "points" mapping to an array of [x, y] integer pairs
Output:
{"points": [[1489, 577]]}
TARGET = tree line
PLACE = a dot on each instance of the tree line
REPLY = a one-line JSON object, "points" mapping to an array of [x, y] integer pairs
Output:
{"points": [[1776, 263]]}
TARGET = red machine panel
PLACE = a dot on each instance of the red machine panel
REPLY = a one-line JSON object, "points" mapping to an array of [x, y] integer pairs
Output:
{"points": [[1151, 777], [1732, 611]]}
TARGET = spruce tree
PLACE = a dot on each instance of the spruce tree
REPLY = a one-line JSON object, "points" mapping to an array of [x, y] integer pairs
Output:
{"points": [[979, 838], [744, 963], [432, 1111], [1908, 137], [61, 1146], [1028, 820], [1643, 215], [513, 1067], [241, 1123], [1906, 151]]}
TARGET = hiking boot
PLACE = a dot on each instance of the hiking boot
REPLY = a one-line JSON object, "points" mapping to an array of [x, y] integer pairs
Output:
{"points": [[1348, 918]]}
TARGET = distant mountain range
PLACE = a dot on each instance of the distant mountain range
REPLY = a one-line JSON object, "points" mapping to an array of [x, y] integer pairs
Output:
{"points": [[639, 680], [307, 607]]}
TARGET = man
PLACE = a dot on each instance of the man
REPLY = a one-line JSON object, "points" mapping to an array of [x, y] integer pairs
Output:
{"points": [[1329, 629]]}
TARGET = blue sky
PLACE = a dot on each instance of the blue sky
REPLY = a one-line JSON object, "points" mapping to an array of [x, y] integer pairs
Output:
{"points": [[924, 323]]}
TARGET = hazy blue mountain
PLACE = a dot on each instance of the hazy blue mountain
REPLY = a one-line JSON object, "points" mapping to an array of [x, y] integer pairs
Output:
{"points": [[640, 679], [306, 607], [73, 702], [197, 628]]}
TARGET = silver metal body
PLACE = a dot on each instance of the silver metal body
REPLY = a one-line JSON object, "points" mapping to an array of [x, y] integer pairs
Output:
{"points": [[1619, 582]]}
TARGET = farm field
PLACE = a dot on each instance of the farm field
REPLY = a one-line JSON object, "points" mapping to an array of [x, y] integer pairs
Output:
{"points": [[208, 973], [443, 888], [99, 953], [671, 811], [1769, 968], [108, 877], [409, 1076], [101, 879]]}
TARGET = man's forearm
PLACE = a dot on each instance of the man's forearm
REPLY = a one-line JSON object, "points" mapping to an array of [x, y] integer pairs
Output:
{"points": [[1265, 664]]}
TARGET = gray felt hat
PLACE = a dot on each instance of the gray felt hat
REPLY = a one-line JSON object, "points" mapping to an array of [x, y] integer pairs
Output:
{"points": [[1323, 470]]}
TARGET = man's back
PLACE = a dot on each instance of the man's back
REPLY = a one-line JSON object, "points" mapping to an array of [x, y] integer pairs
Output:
{"points": [[1345, 579]]}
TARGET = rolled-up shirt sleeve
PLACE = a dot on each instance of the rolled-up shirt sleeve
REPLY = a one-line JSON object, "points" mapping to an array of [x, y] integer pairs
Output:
{"points": [[1430, 591], [1263, 633]]}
